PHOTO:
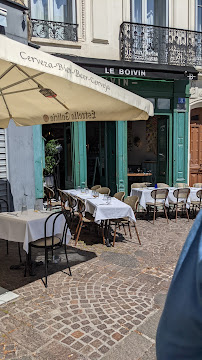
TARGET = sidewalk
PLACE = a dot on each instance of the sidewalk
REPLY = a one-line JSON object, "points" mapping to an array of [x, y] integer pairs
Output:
{"points": [[110, 307]]}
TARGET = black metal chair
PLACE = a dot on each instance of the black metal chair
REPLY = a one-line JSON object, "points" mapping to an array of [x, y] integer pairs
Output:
{"points": [[5, 203], [52, 242]]}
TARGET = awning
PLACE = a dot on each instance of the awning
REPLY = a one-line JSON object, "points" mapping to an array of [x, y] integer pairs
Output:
{"points": [[38, 88]]}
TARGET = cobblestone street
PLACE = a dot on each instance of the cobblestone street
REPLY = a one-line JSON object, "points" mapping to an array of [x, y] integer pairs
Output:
{"points": [[110, 307]]}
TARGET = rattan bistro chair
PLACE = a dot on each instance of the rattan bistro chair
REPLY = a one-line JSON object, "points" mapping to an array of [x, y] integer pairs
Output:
{"points": [[138, 185], [104, 190], [159, 196], [64, 200], [162, 185], [85, 218], [49, 193], [96, 187], [133, 202], [197, 185], [53, 242], [197, 203], [119, 195], [181, 196]]}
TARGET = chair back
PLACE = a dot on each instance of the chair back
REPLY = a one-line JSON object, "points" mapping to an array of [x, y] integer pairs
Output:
{"points": [[138, 185], [198, 185], [49, 192], [104, 190], [95, 187], [72, 202], [162, 185], [65, 227], [132, 201], [159, 194], [63, 197], [198, 194], [81, 206], [181, 193], [120, 195], [181, 185]]}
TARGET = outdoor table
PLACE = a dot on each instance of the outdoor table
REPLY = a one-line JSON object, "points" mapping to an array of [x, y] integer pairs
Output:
{"points": [[25, 228], [116, 209], [144, 195]]}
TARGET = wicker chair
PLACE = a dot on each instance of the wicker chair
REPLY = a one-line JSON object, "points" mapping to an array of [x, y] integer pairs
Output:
{"points": [[197, 185], [96, 187], [119, 195], [162, 185], [181, 196], [49, 193], [84, 220], [133, 202], [159, 196], [197, 203], [181, 185], [64, 200], [104, 190], [138, 185]]}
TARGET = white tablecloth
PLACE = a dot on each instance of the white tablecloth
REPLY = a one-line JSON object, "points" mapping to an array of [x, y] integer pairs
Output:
{"points": [[144, 195], [29, 227], [103, 211]]}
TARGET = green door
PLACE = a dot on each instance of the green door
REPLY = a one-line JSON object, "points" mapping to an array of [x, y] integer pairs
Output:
{"points": [[162, 149]]}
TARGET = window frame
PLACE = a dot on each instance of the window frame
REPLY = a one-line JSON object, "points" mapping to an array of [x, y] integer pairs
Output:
{"points": [[144, 12]]}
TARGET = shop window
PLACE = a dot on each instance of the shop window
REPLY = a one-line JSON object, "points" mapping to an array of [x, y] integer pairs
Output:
{"points": [[163, 104]]}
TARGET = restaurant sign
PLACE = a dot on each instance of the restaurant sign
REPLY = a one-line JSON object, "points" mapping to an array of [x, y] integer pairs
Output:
{"points": [[124, 72]]}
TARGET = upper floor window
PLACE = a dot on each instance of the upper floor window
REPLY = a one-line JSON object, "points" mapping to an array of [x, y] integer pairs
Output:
{"points": [[54, 10], [151, 12], [199, 15]]}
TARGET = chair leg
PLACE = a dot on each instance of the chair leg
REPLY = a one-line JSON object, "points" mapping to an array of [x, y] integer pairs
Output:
{"points": [[103, 236], [78, 234], [114, 238], [187, 212], [46, 267], [137, 234], [77, 228], [129, 230], [7, 247], [154, 213], [124, 229], [176, 213], [166, 213], [19, 252], [70, 273]]}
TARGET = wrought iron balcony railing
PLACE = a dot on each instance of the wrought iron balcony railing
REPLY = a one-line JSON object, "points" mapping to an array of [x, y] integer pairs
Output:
{"points": [[160, 45], [54, 30]]}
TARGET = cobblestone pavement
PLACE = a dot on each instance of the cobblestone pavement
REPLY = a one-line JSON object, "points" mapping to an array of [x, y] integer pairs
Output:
{"points": [[108, 309]]}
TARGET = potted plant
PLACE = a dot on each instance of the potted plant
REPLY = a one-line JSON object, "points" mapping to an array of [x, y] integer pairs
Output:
{"points": [[51, 152]]}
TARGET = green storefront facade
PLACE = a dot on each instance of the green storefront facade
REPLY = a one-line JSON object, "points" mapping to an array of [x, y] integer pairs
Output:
{"points": [[171, 85]]}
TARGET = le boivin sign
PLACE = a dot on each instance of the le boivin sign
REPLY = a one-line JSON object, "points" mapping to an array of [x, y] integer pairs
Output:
{"points": [[124, 72]]}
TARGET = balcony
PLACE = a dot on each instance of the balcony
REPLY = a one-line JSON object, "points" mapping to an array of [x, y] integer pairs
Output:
{"points": [[160, 45], [46, 29]]}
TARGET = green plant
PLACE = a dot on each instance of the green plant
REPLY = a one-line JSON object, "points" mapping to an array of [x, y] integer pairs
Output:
{"points": [[51, 151]]}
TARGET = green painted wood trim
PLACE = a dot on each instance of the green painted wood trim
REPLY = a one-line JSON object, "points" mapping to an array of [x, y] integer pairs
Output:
{"points": [[79, 153], [121, 156], [169, 179], [39, 160]]}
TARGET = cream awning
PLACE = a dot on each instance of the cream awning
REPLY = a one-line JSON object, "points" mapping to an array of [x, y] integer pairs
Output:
{"points": [[38, 88]]}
